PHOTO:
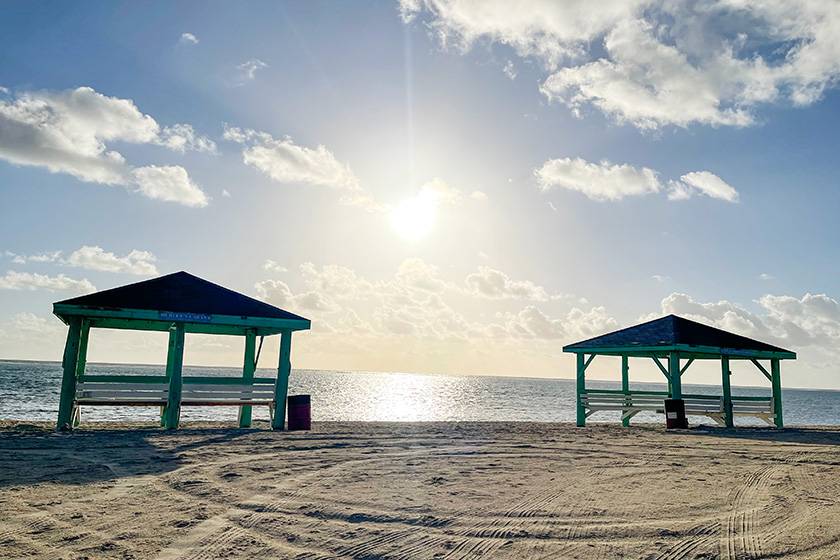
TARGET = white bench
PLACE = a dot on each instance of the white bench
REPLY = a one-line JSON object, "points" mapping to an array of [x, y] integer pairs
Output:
{"points": [[712, 406], [113, 393], [98, 393]]}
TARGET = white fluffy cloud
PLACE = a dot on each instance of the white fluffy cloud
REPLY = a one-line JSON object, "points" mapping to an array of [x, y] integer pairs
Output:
{"points": [[248, 69], [654, 63], [141, 263], [69, 132], [702, 182], [27, 281], [598, 181], [812, 320], [416, 301], [607, 181], [490, 283], [92, 257], [170, 183], [188, 39], [286, 162]]}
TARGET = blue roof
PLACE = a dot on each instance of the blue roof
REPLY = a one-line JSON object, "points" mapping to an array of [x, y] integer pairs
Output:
{"points": [[181, 292], [671, 331]]}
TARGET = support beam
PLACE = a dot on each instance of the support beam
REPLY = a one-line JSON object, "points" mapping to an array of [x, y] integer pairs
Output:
{"points": [[662, 369], [248, 375], [625, 387], [589, 361], [776, 372], [762, 370], [686, 366], [68, 378], [580, 389], [174, 366], [281, 388], [674, 371], [727, 392]]}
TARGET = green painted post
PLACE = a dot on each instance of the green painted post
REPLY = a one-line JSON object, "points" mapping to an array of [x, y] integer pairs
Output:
{"points": [[581, 389], [68, 378], [776, 374], [248, 375], [174, 366], [727, 392], [81, 363], [674, 373], [281, 387], [625, 384]]}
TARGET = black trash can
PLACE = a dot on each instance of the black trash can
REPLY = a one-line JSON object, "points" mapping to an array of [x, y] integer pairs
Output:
{"points": [[298, 407], [675, 414]]}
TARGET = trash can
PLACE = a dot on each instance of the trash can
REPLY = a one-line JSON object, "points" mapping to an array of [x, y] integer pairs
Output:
{"points": [[298, 408], [675, 414]]}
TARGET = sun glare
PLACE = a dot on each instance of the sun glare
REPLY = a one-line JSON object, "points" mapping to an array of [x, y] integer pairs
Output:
{"points": [[413, 219]]}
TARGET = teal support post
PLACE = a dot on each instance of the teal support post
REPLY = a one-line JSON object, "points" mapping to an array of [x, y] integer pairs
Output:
{"points": [[281, 387], [625, 385], [674, 373], [69, 363], [776, 374], [727, 392], [81, 363], [581, 389], [174, 367], [248, 375]]}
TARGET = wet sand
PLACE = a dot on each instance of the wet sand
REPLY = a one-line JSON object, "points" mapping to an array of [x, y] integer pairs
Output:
{"points": [[410, 491]]}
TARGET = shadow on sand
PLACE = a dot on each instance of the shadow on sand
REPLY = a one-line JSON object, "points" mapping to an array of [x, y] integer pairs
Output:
{"points": [[803, 435], [34, 454]]}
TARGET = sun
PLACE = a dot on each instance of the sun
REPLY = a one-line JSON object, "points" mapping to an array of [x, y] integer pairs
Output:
{"points": [[414, 218]]}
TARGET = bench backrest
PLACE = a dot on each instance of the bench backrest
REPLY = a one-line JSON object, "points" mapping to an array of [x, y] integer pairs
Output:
{"points": [[107, 392], [206, 393]]}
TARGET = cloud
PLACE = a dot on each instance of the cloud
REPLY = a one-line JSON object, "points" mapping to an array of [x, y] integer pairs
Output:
{"points": [[188, 39], [494, 284], [95, 258], [550, 31], [531, 322], [182, 138], [141, 263], [599, 181], [52, 256], [273, 266], [810, 321], [510, 70], [702, 182], [69, 132], [26, 281], [29, 323], [248, 70], [286, 162], [417, 302], [606, 181], [656, 63], [170, 183]]}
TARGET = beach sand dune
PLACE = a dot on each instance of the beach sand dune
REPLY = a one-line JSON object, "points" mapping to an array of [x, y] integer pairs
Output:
{"points": [[404, 491]]}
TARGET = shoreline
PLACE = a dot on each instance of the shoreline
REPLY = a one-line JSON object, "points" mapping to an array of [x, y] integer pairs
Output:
{"points": [[418, 490]]}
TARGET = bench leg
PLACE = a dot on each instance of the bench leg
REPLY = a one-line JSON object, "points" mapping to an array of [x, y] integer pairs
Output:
{"points": [[77, 416]]}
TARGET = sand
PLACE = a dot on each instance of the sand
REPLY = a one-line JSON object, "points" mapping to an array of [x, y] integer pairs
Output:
{"points": [[419, 491]]}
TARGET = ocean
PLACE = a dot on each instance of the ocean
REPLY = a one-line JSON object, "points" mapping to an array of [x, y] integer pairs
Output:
{"points": [[29, 391]]}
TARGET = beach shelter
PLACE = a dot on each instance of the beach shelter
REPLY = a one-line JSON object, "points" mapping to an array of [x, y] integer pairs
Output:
{"points": [[177, 303], [673, 343]]}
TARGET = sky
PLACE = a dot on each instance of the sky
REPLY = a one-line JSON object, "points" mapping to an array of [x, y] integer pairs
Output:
{"points": [[441, 186]]}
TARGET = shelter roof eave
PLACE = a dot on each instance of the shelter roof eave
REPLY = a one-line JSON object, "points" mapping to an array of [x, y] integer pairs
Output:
{"points": [[689, 351], [151, 320]]}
